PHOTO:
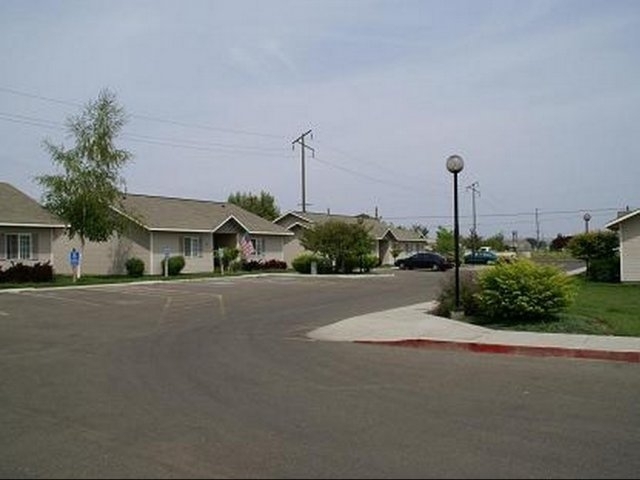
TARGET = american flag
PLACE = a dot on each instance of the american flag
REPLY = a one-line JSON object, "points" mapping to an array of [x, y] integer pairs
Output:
{"points": [[246, 246]]}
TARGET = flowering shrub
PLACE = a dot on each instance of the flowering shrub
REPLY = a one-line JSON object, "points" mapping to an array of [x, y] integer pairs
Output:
{"points": [[20, 273], [523, 290], [272, 264]]}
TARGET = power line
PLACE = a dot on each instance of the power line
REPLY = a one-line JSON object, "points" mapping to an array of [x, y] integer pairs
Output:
{"points": [[144, 117], [514, 214], [387, 169], [170, 142], [175, 143], [365, 176]]}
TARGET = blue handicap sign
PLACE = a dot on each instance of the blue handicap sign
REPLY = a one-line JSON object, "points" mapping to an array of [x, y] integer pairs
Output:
{"points": [[74, 258]]}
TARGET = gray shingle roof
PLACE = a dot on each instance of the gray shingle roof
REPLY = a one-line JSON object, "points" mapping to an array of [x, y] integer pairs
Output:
{"points": [[379, 229], [17, 208], [180, 214]]}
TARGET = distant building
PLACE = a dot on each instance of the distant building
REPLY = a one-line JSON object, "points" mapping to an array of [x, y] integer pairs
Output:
{"points": [[628, 227], [386, 236]]}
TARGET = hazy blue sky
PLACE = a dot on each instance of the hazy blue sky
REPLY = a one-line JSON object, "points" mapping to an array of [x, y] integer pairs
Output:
{"points": [[541, 98]]}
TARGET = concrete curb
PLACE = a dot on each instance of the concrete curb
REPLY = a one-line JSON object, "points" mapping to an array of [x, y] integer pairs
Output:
{"points": [[620, 356]]}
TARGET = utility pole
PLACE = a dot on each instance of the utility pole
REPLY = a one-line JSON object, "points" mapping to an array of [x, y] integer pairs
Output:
{"points": [[300, 140], [474, 231], [537, 230]]}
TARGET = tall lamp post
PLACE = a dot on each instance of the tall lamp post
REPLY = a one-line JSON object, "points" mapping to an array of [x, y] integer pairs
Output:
{"points": [[455, 164], [586, 219]]}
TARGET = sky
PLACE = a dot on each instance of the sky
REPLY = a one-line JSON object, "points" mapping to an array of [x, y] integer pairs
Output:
{"points": [[540, 98]]}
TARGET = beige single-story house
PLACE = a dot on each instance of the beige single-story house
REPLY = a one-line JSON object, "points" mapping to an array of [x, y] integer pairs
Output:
{"points": [[386, 236], [628, 227], [27, 230], [156, 226]]}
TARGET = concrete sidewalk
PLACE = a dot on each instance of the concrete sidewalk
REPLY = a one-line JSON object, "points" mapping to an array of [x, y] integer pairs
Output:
{"points": [[414, 326]]}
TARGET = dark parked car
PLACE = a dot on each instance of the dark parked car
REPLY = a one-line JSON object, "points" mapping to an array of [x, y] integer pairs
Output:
{"points": [[481, 258], [430, 260]]}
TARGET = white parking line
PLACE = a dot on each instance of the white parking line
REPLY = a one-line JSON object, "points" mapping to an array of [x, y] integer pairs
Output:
{"points": [[3, 314], [61, 299]]}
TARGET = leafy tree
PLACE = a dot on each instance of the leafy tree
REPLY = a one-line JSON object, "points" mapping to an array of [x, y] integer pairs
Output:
{"points": [[263, 205], [445, 243], [599, 250], [472, 242], [89, 187], [344, 244], [560, 242], [396, 250], [535, 244], [587, 246], [496, 242], [421, 229]]}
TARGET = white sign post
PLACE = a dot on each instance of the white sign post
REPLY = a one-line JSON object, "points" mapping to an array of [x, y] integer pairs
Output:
{"points": [[167, 254]]}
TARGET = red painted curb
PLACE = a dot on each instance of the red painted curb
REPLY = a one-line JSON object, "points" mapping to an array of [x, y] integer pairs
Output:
{"points": [[633, 357]]}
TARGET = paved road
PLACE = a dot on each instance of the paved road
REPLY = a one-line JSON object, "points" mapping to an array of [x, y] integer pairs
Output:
{"points": [[217, 379]]}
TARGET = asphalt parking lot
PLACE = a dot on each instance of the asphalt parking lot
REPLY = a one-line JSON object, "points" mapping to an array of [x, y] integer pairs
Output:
{"points": [[217, 378]]}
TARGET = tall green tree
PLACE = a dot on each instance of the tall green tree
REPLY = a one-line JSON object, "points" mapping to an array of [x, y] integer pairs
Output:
{"points": [[445, 243], [263, 205], [90, 183], [345, 244]]}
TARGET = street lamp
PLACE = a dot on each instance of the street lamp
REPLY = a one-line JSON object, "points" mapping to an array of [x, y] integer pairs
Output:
{"points": [[455, 164], [586, 218]]}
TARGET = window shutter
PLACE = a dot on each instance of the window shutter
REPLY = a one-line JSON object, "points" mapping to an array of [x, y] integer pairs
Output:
{"points": [[3, 247]]}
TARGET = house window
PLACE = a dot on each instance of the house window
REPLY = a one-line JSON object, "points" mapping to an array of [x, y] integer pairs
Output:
{"points": [[192, 247], [18, 246], [258, 246]]}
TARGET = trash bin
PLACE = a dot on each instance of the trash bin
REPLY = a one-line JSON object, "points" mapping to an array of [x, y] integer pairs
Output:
{"points": [[314, 268]]}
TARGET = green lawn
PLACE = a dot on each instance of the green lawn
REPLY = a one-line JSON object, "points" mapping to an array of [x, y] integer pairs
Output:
{"points": [[614, 305], [598, 309]]}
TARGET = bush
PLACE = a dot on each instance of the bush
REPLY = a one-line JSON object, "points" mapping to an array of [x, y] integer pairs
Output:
{"points": [[523, 290], [235, 266], [368, 262], [469, 288], [272, 264], [604, 270], [20, 273], [363, 263], [176, 264], [135, 267], [302, 263]]}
